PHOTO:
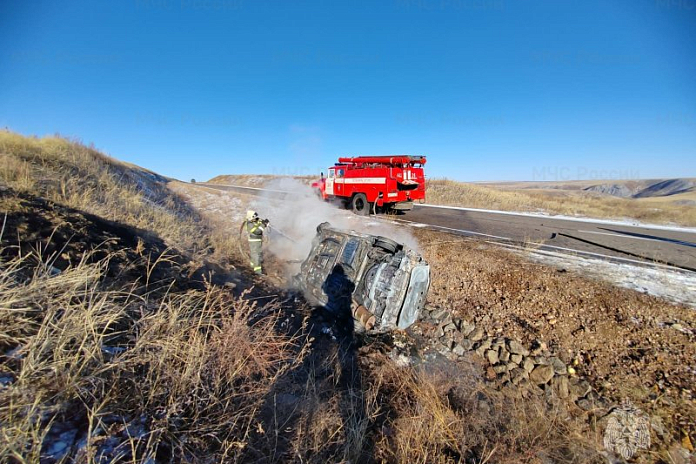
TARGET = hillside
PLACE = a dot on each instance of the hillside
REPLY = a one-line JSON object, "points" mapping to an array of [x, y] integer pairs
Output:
{"points": [[657, 202], [616, 187], [255, 180], [132, 331]]}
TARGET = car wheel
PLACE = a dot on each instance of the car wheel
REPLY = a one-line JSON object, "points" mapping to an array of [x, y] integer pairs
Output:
{"points": [[360, 205], [386, 244]]}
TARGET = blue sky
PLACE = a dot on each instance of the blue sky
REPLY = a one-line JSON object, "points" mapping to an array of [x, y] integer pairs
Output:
{"points": [[487, 89]]}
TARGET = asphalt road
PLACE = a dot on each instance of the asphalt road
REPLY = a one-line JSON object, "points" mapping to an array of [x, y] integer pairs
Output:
{"points": [[641, 243], [606, 239]]}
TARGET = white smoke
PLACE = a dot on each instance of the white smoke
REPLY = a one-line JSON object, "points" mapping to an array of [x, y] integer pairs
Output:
{"points": [[302, 210]]}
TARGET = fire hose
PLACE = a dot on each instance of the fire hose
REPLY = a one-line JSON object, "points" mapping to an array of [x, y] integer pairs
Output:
{"points": [[242, 238]]}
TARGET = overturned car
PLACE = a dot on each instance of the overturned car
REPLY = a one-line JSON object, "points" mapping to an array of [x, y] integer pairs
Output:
{"points": [[376, 280]]}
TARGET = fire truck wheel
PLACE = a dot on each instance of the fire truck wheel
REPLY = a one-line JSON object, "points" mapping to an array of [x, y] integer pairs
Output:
{"points": [[360, 205]]}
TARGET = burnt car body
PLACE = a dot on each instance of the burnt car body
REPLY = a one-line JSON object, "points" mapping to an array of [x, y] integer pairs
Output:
{"points": [[379, 279]]}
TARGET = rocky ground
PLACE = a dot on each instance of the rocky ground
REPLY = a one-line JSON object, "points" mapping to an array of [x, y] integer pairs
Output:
{"points": [[595, 343]]}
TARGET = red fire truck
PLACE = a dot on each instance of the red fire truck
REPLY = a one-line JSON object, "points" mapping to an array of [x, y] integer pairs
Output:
{"points": [[368, 183]]}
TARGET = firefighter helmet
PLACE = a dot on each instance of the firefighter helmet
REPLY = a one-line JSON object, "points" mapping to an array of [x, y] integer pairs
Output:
{"points": [[252, 215]]}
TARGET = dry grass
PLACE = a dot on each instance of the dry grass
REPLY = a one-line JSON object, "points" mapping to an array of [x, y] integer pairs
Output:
{"points": [[189, 371], [95, 369], [448, 415], [256, 180], [566, 202], [80, 177], [197, 375]]}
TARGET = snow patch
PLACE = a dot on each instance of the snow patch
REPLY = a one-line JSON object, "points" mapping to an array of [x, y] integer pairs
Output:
{"points": [[672, 285]]}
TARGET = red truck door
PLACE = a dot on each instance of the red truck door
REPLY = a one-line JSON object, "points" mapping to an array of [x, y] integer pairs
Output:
{"points": [[339, 185], [329, 184]]}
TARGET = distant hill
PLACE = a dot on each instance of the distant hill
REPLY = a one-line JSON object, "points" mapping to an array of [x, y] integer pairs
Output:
{"points": [[667, 187], [659, 201], [644, 188]]}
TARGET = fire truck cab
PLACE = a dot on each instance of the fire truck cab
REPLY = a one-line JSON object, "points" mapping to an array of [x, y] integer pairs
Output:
{"points": [[367, 183]]}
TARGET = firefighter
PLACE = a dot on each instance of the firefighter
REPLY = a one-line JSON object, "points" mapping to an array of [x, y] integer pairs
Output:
{"points": [[255, 227]]}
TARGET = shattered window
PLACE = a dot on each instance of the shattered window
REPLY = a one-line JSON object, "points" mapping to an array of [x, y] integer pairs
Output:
{"points": [[349, 252]]}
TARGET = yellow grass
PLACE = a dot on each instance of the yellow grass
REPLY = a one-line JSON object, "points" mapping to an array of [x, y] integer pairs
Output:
{"points": [[256, 180], [80, 177], [565, 202], [174, 363]]}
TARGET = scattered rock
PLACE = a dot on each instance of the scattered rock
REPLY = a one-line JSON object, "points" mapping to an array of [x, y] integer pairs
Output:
{"points": [[483, 347], [500, 368], [466, 344], [449, 327], [579, 388], [541, 374], [516, 358], [447, 342], [459, 350], [490, 373], [57, 448], [492, 356], [113, 350], [518, 375], [466, 328], [562, 386], [585, 404], [504, 354], [517, 348], [442, 349], [528, 365], [559, 366], [476, 334]]}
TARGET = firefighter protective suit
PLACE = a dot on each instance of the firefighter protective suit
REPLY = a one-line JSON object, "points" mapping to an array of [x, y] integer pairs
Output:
{"points": [[255, 227]]}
